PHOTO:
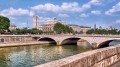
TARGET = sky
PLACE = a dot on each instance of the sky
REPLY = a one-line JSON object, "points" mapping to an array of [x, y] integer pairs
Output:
{"points": [[103, 13]]}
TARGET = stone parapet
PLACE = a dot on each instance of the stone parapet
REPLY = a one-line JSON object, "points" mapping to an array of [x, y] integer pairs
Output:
{"points": [[15, 38], [104, 57]]}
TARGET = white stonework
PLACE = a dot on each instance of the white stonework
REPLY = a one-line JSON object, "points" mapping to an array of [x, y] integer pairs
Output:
{"points": [[35, 22]]}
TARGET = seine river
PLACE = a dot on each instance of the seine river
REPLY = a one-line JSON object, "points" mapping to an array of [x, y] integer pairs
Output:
{"points": [[29, 56]]}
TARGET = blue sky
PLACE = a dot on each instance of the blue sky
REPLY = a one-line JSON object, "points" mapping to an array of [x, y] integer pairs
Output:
{"points": [[103, 13]]}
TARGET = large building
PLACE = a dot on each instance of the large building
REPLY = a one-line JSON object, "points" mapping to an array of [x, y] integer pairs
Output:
{"points": [[77, 28], [12, 27], [35, 21], [49, 24]]}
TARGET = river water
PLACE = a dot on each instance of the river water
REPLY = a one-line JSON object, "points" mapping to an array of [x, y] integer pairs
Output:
{"points": [[29, 56]]}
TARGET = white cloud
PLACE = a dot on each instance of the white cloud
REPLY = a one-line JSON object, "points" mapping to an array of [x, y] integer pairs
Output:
{"points": [[70, 7], [43, 19], [31, 13], [85, 7], [73, 6], [16, 12], [90, 3], [84, 15], [95, 2], [113, 10], [56, 8], [63, 15], [96, 12], [46, 7]]}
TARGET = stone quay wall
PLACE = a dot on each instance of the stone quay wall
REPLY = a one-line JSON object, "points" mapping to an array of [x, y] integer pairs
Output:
{"points": [[103, 57], [15, 38]]}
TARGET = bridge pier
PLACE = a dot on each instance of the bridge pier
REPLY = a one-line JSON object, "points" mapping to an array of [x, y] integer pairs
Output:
{"points": [[94, 45], [58, 43]]}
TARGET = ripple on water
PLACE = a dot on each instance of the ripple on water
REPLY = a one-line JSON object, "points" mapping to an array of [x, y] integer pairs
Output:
{"points": [[29, 56]]}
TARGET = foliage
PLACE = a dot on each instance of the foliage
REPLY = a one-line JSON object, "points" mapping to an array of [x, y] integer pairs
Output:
{"points": [[4, 23], [112, 32], [35, 31], [91, 31], [102, 31], [76, 32], [60, 28], [26, 31]]}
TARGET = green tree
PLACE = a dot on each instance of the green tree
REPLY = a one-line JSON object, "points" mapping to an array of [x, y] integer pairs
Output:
{"points": [[4, 23], [112, 31], [36, 31], [60, 28], [118, 32], [103, 31], [91, 31], [26, 31], [17, 31], [68, 29]]}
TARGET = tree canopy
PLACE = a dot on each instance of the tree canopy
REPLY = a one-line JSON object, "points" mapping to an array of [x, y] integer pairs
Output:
{"points": [[102, 31], [26, 31], [60, 28], [4, 23]]}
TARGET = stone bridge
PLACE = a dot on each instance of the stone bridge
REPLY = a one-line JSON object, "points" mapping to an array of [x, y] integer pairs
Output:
{"points": [[95, 40]]}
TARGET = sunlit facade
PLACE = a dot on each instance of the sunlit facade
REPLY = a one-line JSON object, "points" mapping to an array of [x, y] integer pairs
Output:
{"points": [[12, 27], [35, 21], [48, 26], [78, 28]]}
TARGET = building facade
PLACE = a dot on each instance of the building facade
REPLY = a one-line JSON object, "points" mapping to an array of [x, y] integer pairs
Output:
{"points": [[12, 27], [77, 28], [35, 21], [49, 25]]}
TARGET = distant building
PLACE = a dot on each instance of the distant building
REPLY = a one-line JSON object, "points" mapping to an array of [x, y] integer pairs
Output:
{"points": [[111, 28], [35, 21], [48, 26], [95, 27], [100, 27], [12, 27], [78, 28]]}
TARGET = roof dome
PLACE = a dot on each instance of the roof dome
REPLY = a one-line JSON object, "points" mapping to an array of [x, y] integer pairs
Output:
{"points": [[52, 21]]}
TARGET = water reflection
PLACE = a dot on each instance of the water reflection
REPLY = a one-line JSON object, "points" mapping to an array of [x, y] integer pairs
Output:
{"points": [[84, 43], [29, 56]]}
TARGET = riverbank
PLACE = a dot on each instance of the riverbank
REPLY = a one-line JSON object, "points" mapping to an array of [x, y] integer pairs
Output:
{"points": [[22, 44]]}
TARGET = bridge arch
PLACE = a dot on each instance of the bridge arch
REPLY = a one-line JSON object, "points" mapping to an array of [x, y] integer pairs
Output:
{"points": [[69, 41], [47, 39], [76, 41], [107, 43]]}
